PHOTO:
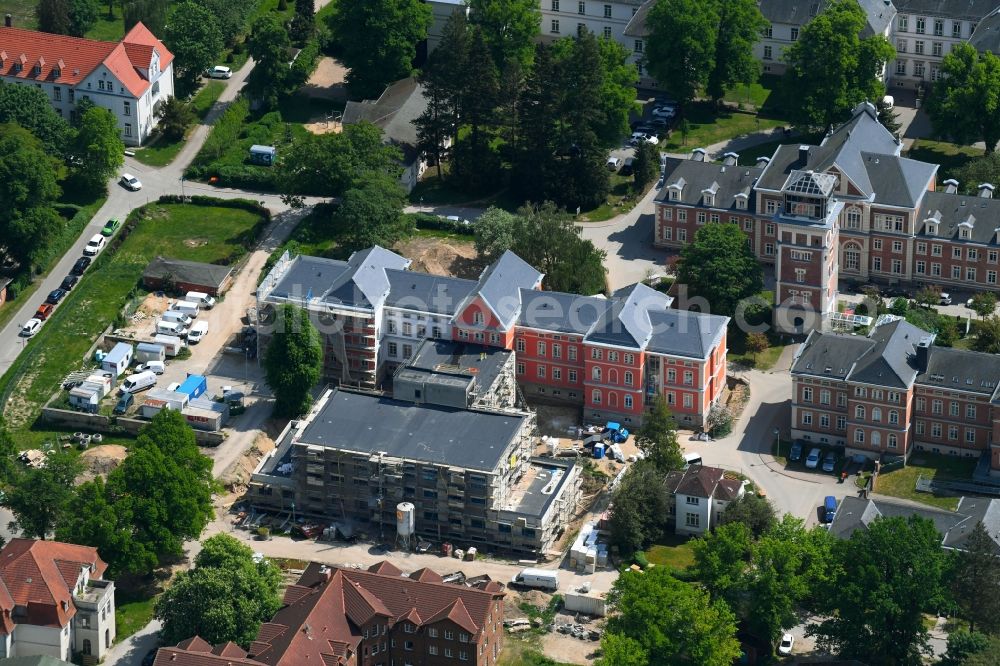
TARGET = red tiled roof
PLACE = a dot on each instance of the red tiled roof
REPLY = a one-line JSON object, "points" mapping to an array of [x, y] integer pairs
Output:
{"points": [[386, 568], [425, 575], [197, 651], [40, 575]]}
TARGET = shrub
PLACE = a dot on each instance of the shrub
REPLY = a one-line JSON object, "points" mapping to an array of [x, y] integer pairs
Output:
{"points": [[433, 222], [641, 560]]}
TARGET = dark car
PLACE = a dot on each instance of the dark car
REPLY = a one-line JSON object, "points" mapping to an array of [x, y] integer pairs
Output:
{"points": [[896, 291], [81, 265], [55, 296], [796, 453], [69, 282], [124, 403]]}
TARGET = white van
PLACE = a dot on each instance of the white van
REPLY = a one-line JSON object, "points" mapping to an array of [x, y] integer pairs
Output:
{"points": [[170, 328], [692, 459], [538, 578], [201, 298], [177, 316], [187, 307], [197, 332], [139, 382]]}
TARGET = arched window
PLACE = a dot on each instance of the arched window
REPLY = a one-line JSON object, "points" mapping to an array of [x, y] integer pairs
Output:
{"points": [[859, 412], [852, 258], [628, 402], [612, 376], [595, 374], [876, 439], [876, 414], [628, 378], [595, 397], [612, 399], [891, 441]]}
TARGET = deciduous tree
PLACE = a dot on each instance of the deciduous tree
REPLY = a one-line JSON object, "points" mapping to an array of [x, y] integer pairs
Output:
{"points": [[657, 438], [225, 597], [53, 16], [986, 337], [984, 303], [549, 240], [638, 509], [30, 108], [751, 510], [495, 233], [975, 582], [303, 25], [965, 102], [510, 28], [175, 116], [151, 13], [39, 497], [232, 17], [293, 362], [830, 68], [680, 50], [739, 27], [192, 34], [963, 644], [757, 343], [268, 45], [372, 211], [721, 559], [98, 149], [645, 166], [669, 621], [874, 606], [720, 267], [395, 26]]}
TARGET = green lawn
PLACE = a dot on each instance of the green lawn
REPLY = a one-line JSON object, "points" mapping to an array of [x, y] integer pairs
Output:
{"points": [[22, 11], [162, 152], [950, 156], [902, 482], [131, 616], [182, 231], [108, 29], [676, 553], [708, 126]]}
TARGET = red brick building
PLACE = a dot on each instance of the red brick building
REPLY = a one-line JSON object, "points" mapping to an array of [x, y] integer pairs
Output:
{"points": [[373, 617]]}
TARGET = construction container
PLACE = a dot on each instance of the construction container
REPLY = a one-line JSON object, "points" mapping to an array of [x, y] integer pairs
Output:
{"points": [[587, 603]]}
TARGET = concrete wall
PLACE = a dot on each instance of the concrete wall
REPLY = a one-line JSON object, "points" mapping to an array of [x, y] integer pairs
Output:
{"points": [[103, 424]]}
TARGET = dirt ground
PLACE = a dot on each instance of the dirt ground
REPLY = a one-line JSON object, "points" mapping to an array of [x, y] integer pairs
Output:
{"points": [[144, 319], [101, 460], [327, 81], [441, 256], [567, 649]]}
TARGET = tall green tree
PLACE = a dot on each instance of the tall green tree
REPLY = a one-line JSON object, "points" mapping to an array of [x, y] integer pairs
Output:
{"points": [[539, 141], [372, 211], [680, 49], [510, 27], [53, 16], [721, 559], [495, 233], [668, 621], [28, 188], [378, 40], [232, 17], [874, 607], [751, 510], [549, 240], [638, 509], [475, 164], [830, 68], [983, 169], [657, 437], [974, 582], [303, 25], [193, 36], [720, 267], [8, 452], [225, 597], [646, 165], [30, 108], [986, 337], [40, 496], [965, 103], [963, 644], [98, 149], [293, 362], [984, 303], [618, 92], [174, 117], [151, 13], [739, 26], [268, 45]]}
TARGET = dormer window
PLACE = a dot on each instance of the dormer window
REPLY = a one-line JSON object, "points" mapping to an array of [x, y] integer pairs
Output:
{"points": [[963, 233], [675, 195], [931, 228], [709, 199], [741, 202]]}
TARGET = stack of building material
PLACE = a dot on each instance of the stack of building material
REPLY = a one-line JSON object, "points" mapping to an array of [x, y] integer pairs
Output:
{"points": [[585, 553]]}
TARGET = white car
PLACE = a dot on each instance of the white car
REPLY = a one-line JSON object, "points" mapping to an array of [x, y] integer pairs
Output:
{"points": [[945, 298], [785, 646], [94, 245], [812, 460], [156, 367], [220, 72], [664, 112], [30, 328], [130, 182], [197, 332]]}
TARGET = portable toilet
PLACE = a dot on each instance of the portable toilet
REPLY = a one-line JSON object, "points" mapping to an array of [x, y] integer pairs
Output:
{"points": [[599, 450], [263, 155]]}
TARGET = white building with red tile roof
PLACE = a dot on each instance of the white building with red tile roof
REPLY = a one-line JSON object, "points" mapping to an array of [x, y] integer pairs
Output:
{"points": [[130, 78], [53, 600]]}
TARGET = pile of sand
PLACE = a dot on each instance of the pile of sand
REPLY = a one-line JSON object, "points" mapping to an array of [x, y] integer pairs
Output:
{"points": [[101, 460]]}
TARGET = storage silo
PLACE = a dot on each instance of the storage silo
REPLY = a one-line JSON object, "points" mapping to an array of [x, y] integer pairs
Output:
{"points": [[404, 524]]}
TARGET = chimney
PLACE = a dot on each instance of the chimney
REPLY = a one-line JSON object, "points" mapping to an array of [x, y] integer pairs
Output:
{"points": [[950, 186], [325, 573], [923, 352], [803, 154], [763, 161], [731, 159], [698, 154], [8, 20], [986, 190]]}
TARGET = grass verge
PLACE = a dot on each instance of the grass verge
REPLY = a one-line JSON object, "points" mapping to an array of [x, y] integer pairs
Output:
{"points": [[902, 482], [22, 11], [707, 126], [182, 231], [950, 156], [108, 28], [676, 553], [162, 152], [131, 616]]}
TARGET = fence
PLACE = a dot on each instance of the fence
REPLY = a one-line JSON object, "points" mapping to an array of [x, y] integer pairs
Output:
{"points": [[65, 418]]}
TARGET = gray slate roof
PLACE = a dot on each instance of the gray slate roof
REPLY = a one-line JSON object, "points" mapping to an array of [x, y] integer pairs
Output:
{"points": [[500, 286], [394, 112], [987, 34], [559, 312], [695, 177], [972, 10], [181, 270], [425, 292], [684, 333], [696, 481], [953, 209], [626, 318], [637, 24], [362, 423], [961, 370], [800, 12], [854, 513]]}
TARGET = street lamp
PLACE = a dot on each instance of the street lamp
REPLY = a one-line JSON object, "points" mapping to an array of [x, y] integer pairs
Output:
{"points": [[777, 442]]}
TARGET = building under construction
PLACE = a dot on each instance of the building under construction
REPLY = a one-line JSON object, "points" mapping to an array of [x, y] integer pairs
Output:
{"points": [[450, 442]]}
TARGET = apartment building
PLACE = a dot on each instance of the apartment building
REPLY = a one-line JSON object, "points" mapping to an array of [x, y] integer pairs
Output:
{"points": [[610, 19], [893, 392], [466, 473], [54, 601], [611, 355], [372, 617], [130, 78]]}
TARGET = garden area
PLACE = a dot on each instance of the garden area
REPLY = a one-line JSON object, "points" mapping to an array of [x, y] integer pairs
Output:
{"points": [[219, 233], [901, 482], [676, 552], [162, 151], [950, 156]]}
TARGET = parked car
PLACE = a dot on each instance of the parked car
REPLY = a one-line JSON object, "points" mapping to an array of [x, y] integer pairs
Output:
{"points": [[110, 227], [69, 282], [197, 332], [130, 182], [628, 167], [785, 646], [80, 266], [897, 291], [796, 452], [812, 460], [945, 298], [829, 461], [55, 296], [613, 163], [95, 245], [44, 310], [219, 72], [124, 403], [664, 112], [201, 298], [156, 367], [30, 328]]}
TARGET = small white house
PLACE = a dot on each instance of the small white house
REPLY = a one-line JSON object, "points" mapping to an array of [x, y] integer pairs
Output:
{"points": [[697, 496], [118, 359]]}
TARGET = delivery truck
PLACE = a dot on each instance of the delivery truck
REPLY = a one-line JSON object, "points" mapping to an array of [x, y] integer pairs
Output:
{"points": [[542, 579]]}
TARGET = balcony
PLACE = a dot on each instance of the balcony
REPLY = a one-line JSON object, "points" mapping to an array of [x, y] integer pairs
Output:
{"points": [[93, 593]]}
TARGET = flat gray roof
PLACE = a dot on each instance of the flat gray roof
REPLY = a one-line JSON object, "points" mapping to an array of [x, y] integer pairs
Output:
{"points": [[442, 360], [367, 423]]}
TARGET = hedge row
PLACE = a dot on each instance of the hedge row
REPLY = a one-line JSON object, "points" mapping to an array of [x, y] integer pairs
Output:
{"points": [[436, 223]]}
